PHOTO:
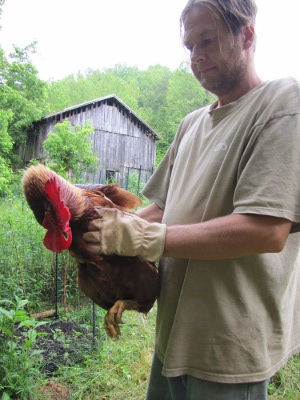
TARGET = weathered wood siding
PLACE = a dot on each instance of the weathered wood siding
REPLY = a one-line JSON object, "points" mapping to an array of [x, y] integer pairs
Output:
{"points": [[121, 141]]}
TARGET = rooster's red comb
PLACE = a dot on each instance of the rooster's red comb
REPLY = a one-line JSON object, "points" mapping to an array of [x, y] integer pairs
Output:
{"points": [[60, 209], [59, 235]]}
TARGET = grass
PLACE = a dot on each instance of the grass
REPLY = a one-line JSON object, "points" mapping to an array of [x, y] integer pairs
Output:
{"points": [[116, 368], [111, 369], [286, 383]]}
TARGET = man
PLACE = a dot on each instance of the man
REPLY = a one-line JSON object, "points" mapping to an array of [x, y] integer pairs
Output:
{"points": [[225, 217]]}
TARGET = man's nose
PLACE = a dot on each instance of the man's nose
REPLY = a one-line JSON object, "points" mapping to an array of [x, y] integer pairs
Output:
{"points": [[197, 55]]}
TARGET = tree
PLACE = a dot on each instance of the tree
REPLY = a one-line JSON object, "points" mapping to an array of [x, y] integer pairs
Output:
{"points": [[184, 95], [153, 84], [6, 145], [70, 151], [22, 93], [59, 95]]}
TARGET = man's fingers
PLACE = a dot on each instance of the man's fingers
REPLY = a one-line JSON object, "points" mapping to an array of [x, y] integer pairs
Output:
{"points": [[92, 237], [94, 249], [101, 212], [95, 224]]}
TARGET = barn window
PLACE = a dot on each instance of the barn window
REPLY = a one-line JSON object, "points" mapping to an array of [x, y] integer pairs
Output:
{"points": [[110, 176]]}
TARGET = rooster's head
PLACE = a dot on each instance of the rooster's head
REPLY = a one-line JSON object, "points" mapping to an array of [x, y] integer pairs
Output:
{"points": [[56, 219]]}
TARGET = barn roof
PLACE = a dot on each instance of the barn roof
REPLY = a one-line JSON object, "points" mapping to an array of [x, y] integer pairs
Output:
{"points": [[112, 98]]}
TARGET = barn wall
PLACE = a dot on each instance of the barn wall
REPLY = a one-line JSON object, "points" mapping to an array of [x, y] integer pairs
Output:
{"points": [[120, 142]]}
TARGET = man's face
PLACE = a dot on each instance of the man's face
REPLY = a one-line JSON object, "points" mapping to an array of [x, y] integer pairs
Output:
{"points": [[216, 64]]}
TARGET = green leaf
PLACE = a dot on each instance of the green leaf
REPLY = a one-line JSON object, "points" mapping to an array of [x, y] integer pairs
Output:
{"points": [[7, 314], [5, 396]]}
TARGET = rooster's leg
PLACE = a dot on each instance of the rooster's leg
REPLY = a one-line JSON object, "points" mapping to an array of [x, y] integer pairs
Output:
{"points": [[114, 316]]}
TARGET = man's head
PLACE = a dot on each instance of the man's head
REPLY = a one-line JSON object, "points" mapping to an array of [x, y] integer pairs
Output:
{"points": [[220, 37]]}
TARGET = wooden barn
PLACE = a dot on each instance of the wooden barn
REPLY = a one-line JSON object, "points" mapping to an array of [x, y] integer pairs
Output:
{"points": [[123, 142]]}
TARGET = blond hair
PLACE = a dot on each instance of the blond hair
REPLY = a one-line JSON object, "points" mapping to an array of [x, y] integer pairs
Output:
{"points": [[234, 13]]}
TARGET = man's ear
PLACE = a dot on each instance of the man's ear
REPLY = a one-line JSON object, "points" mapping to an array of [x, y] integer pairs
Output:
{"points": [[248, 33]]}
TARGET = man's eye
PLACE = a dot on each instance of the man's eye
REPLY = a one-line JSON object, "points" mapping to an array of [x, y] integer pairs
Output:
{"points": [[206, 42]]}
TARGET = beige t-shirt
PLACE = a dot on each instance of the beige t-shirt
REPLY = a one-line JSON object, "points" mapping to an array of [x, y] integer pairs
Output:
{"points": [[232, 320]]}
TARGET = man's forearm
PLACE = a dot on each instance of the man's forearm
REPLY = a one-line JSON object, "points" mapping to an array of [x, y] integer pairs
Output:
{"points": [[228, 237]]}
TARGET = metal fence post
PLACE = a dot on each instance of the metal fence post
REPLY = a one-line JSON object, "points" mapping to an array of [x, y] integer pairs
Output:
{"points": [[140, 171], [127, 179], [56, 286]]}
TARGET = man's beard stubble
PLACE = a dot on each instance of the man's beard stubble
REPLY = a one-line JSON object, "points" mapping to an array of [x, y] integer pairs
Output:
{"points": [[231, 75]]}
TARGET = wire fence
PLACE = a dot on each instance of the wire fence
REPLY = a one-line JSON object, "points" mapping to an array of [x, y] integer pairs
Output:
{"points": [[130, 179]]}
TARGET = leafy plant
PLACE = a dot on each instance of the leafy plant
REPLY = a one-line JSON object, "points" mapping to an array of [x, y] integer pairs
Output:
{"points": [[6, 145], [70, 150], [18, 357], [22, 94]]}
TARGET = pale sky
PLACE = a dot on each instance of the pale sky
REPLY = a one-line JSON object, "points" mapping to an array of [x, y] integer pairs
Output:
{"points": [[74, 35]]}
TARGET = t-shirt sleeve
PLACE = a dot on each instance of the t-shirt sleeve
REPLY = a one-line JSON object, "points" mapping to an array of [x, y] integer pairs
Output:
{"points": [[268, 180]]}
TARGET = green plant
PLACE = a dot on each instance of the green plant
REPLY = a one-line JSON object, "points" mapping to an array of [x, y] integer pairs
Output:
{"points": [[286, 383], [6, 145], [115, 369], [18, 356], [70, 149]]}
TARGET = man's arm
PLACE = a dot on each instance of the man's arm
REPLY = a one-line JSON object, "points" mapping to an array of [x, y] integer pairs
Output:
{"points": [[151, 213], [235, 235], [232, 236]]}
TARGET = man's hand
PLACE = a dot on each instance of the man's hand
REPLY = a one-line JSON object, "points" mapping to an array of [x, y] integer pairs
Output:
{"points": [[124, 234]]}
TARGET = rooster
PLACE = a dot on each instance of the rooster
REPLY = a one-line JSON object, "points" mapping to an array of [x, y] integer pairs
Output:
{"points": [[112, 282]]}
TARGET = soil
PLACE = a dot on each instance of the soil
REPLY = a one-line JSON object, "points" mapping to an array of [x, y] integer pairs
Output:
{"points": [[55, 391], [62, 343]]}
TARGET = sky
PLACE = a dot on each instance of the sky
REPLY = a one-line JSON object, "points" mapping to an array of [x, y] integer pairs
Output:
{"points": [[74, 35]]}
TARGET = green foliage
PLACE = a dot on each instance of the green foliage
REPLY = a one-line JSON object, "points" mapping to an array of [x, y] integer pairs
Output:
{"points": [[154, 86], [18, 357], [22, 93], [286, 383], [184, 95], [135, 183], [70, 151], [6, 145], [71, 90], [22, 252], [115, 369]]}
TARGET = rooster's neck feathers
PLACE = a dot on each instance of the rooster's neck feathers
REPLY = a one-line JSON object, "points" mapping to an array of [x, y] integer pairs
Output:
{"points": [[34, 183]]}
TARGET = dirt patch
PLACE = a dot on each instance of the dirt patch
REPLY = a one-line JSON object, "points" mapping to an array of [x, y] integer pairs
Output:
{"points": [[55, 391], [65, 343], [61, 343]]}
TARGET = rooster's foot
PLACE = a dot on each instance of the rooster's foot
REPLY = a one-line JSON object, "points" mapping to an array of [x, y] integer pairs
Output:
{"points": [[113, 318]]}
